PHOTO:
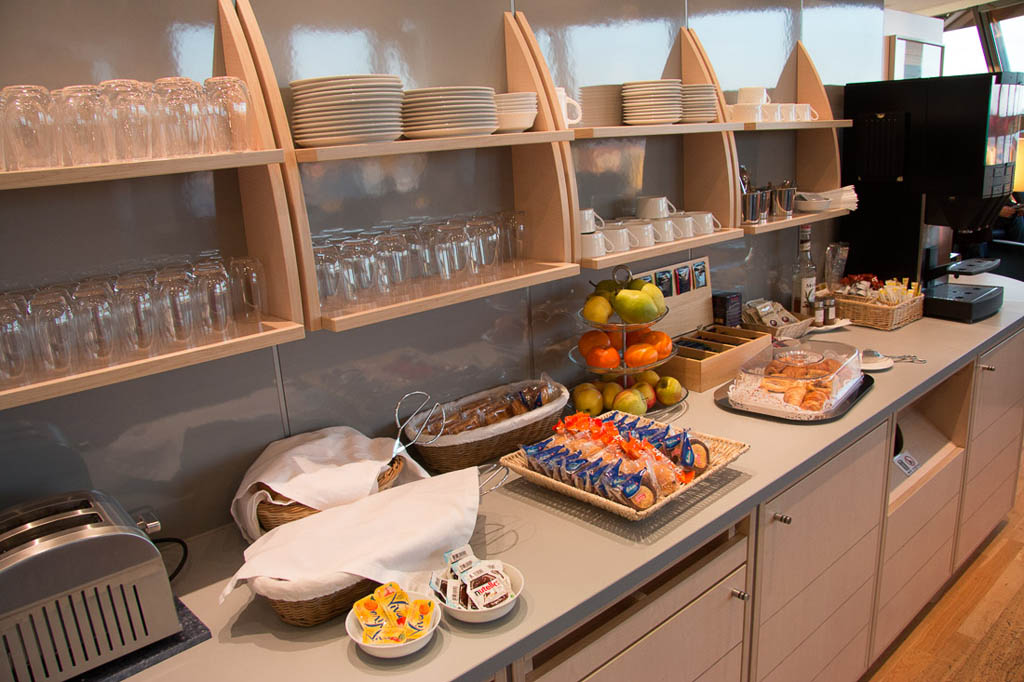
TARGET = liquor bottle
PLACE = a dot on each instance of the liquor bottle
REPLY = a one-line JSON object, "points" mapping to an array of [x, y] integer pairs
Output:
{"points": [[804, 275]]}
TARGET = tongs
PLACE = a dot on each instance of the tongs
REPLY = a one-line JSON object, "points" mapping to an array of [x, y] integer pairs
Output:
{"points": [[398, 447]]}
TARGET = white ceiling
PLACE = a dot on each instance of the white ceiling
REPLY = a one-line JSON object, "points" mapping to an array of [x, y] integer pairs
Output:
{"points": [[928, 8]]}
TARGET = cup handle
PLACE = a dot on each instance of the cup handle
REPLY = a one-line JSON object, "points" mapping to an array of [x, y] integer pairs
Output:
{"points": [[633, 239], [767, 98], [570, 102], [814, 114], [677, 231], [718, 225], [608, 246], [599, 221], [673, 208]]}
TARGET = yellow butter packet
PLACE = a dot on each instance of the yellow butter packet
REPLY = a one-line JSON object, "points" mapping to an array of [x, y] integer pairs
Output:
{"points": [[394, 600], [417, 621]]}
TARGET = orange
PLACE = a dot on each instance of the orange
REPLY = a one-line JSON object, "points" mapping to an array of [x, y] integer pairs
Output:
{"points": [[636, 336], [661, 341], [640, 354], [616, 338], [593, 339], [603, 357]]}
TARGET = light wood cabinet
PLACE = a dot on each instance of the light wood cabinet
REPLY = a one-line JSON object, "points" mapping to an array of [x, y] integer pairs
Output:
{"points": [[816, 562]]}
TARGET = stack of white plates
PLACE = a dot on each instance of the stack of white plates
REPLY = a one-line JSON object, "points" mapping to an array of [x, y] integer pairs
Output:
{"points": [[449, 112], [602, 105], [516, 111], [652, 102], [346, 109], [699, 103]]}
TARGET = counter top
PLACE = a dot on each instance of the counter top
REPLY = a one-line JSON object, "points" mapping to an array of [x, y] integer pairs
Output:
{"points": [[575, 561]]}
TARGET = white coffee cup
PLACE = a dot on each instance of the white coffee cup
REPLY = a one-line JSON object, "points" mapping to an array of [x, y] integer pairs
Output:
{"points": [[594, 244], [642, 231], [684, 223], [590, 221], [752, 96], [787, 112], [564, 101], [770, 112], [704, 222], [619, 239], [805, 112], [653, 207], [747, 113], [665, 230]]}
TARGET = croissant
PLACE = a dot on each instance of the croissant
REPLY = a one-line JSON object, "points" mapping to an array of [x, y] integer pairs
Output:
{"points": [[794, 371], [795, 395], [814, 401], [773, 367], [776, 384]]}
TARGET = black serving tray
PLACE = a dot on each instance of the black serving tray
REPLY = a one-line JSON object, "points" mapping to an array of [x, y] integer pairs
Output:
{"points": [[866, 382]]}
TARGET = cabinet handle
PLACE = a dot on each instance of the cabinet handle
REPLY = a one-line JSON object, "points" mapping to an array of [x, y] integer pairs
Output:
{"points": [[988, 368], [741, 595], [782, 518]]}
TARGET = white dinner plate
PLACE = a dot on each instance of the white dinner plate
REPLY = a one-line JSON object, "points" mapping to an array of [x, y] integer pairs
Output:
{"points": [[650, 121], [346, 139], [450, 89], [344, 78], [450, 132]]}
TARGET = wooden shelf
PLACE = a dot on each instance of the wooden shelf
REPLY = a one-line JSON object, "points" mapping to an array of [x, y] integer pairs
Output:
{"points": [[436, 144], [612, 259], [672, 129], [48, 177], [797, 219], [797, 125], [275, 331], [535, 273]]}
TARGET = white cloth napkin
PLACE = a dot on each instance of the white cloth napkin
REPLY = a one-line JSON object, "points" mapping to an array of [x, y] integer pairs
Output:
{"points": [[399, 534], [320, 469]]}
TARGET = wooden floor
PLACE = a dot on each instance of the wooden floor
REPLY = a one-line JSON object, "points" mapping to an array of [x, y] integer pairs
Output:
{"points": [[976, 629]]}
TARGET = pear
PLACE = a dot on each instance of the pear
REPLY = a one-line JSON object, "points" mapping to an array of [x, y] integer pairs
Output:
{"points": [[637, 284], [656, 295], [630, 400], [634, 306], [607, 288], [597, 309]]}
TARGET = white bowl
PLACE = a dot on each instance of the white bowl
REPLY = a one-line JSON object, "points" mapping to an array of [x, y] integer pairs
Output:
{"points": [[494, 613], [509, 122], [812, 206], [355, 632]]}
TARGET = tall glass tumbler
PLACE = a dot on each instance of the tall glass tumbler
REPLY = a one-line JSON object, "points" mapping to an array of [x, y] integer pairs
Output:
{"points": [[30, 136], [485, 244], [15, 348], [129, 109], [394, 270], [180, 117], [249, 290], [513, 239], [453, 255], [53, 330], [84, 126], [216, 318], [231, 119], [359, 273], [176, 312], [328, 273], [137, 317], [94, 314]]}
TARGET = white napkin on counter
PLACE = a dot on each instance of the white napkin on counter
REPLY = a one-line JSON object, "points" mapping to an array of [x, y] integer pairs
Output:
{"points": [[399, 534], [320, 469]]}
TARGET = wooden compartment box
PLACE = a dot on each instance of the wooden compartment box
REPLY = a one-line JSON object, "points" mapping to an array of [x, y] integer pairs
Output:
{"points": [[700, 370]]}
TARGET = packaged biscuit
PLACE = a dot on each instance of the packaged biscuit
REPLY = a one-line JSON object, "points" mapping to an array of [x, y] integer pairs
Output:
{"points": [[394, 601], [417, 622]]}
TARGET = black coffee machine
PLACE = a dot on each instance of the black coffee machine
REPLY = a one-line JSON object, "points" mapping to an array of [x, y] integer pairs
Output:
{"points": [[930, 157]]}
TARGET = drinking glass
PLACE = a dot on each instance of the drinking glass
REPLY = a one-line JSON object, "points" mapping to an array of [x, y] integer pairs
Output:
{"points": [[176, 311], [84, 127], [30, 137], [53, 331], [513, 238], [419, 255], [359, 272], [485, 239], [130, 112], [453, 254], [230, 114], [136, 316], [180, 121], [94, 318], [394, 266], [15, 348], [213, 288], [328, 272], [248, 290]]}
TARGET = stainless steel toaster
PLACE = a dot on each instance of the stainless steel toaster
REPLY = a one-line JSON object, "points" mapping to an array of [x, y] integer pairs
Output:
{"points": [[80, 585]]}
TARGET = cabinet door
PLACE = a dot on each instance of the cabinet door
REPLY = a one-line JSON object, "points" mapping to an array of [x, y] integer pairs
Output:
{"points": [[1000, 382]]}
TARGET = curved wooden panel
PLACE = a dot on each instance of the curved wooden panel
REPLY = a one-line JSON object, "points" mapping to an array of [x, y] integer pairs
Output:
{"points": [[817, 151]]}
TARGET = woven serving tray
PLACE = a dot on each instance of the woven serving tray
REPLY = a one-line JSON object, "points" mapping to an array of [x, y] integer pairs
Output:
{"points": [[723, 451]]}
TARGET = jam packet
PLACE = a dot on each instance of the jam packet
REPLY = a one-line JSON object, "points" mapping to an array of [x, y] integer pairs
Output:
{"points": [[394, 600], [417, 622]]}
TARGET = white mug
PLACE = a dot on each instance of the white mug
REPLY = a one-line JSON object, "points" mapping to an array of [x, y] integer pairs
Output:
{"points": [[805, 112], [564, 101], [770, 112], [747, 113], [641, 231], [704, 222], [684, 223], [590, 221], [653, 207], [752, 96], [787, 112], [595, 244], [665, 230], [619, 239]]}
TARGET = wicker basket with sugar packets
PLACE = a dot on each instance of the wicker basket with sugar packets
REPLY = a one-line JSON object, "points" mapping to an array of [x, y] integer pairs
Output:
{"points": [[450, 451]]}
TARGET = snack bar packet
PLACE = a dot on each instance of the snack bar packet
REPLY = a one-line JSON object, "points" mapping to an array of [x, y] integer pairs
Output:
{"points": [[417, 622], [394, 600]]}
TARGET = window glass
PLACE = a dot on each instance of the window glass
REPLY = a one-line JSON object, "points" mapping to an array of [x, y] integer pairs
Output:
{"points": [[963, 52], [1013, 42]]}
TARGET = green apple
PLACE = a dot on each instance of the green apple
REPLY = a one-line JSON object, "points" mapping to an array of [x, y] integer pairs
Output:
{"points": [[630, 400], [589, 400], [610, 390], [582, 386], [648, 376], [647, 391], [635, 307], [669, 391]]}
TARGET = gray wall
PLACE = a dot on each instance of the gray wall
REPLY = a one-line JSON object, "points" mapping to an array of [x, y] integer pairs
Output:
{"points": [[180, 441]]}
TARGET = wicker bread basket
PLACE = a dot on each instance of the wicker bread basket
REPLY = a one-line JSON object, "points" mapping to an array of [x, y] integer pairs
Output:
{"points": [[877, 315], [793, 330], [473, 447]]}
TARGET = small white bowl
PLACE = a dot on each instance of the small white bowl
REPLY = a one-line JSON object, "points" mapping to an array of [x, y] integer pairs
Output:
{"points": [[511, 122], [355, 632], [812, 206], [494, 613]]}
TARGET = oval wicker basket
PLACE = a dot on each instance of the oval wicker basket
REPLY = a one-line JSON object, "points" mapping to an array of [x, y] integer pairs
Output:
{"points": [[470, 448]]}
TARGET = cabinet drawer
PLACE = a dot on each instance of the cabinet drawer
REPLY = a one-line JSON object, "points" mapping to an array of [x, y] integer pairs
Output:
{"points": [[587, 647], [728, 669], [794, 622], [975, 528], [687, 644], [920, 509], [849, 664], [833, 636], [1003, 467], [988, 443], [911, 597], [832, 508], [1002, 387], [909, 560]]}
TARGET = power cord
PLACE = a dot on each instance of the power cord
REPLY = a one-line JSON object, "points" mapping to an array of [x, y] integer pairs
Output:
{"points": [[184, 554]]}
